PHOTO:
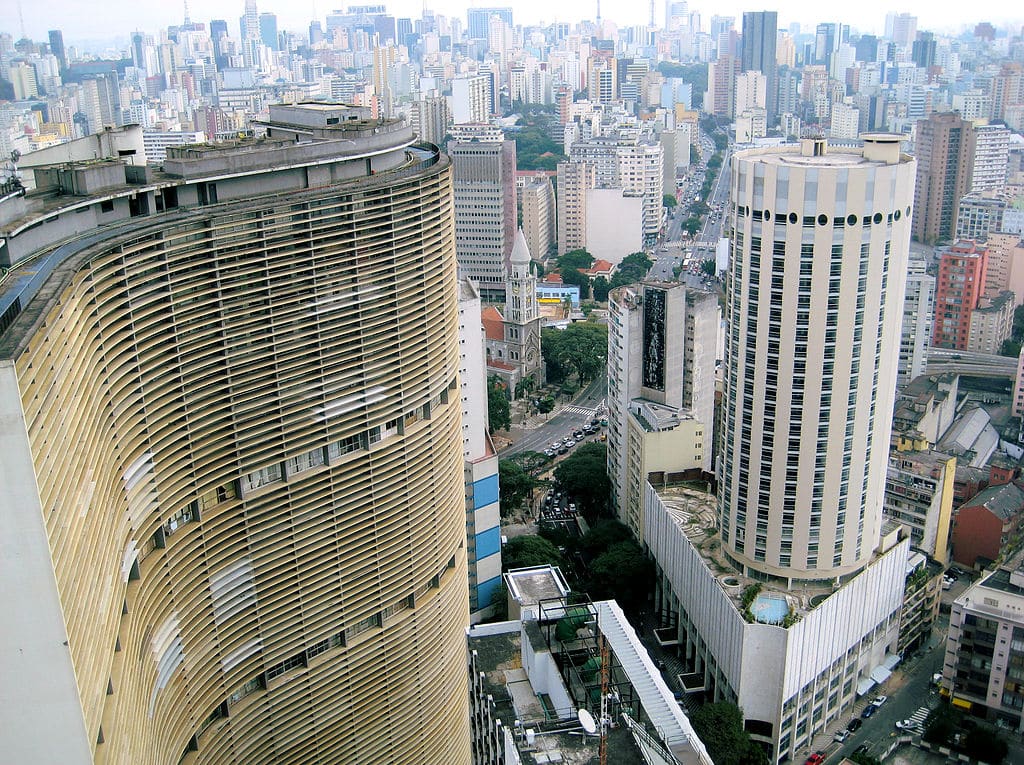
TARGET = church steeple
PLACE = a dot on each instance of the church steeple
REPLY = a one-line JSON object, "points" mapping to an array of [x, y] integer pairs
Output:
{"points": [[521, 284]]}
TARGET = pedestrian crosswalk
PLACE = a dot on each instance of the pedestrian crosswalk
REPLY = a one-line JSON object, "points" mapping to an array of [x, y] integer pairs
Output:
{"points": [[573, 409]]}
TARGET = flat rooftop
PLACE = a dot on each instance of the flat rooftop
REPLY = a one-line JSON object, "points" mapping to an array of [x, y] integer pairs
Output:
{"points": [[693, 511]]}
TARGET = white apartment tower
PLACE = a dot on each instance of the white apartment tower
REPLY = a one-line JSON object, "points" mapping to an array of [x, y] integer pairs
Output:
{"points": [[991, 158], [821, 240], [537, 202], [470, 101], [918, 308]]}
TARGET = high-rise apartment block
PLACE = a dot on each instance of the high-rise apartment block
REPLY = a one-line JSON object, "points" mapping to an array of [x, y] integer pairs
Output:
{"points": [[961, 283], [537, 203], [817, 276], [484, 188], [661, 392], [575, 180], [991, 158], [945, 154], [235, 522], [471, 99], [918, 314]]}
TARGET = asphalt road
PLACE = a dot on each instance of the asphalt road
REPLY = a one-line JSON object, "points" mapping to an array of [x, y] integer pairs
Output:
{"points": [[970, 363], [567, 419]]}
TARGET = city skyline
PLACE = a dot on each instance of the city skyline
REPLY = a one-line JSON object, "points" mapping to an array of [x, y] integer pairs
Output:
{"points": [[81, 25]]}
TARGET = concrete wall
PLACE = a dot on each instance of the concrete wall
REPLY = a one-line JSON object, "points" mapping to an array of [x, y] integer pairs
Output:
{"points": [[614, 225]]}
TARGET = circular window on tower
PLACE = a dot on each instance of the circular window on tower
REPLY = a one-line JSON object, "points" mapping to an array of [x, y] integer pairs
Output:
{"points": [[851, 220], [767, 215], [877, 218], [823, 220], [897, 215], [793, 218]]}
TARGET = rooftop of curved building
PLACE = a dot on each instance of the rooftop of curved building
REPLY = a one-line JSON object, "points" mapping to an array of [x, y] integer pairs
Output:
{"points": [[878, 149]]}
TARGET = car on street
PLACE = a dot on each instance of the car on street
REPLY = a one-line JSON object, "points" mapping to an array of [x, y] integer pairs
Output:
{"points": [[854, 724], [841, 735], [878, 701], [906, 724], [549, 452], [570, 443], [815, 759], [869, 710]]}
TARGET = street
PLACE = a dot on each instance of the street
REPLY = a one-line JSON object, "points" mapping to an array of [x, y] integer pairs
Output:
{"points": [[561, 422]]}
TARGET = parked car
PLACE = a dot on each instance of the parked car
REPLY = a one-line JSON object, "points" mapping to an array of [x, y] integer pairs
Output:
{"points": [[878, 701], [815, 759], [854, 724], [570, 444], [905, 725], [869, 710], [841, 735]]}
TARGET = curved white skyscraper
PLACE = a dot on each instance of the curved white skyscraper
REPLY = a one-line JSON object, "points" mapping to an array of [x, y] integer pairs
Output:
{"points": [[816, 283]]}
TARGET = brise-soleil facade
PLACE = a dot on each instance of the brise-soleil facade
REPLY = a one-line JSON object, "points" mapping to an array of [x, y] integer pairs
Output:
{"points": [[231, 475]]}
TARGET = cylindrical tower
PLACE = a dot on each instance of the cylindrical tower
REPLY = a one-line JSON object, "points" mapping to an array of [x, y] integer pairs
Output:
{"points": [[820, 243]]}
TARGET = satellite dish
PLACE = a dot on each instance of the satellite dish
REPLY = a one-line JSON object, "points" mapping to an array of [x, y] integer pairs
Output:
{"points": [[587, 721]]}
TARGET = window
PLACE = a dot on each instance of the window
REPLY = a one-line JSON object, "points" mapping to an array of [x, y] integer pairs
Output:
{"points": [[262, 477]]}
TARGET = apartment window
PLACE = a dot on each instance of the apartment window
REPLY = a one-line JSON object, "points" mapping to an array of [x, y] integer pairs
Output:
{"points": [[262, 477], [292, 662]]}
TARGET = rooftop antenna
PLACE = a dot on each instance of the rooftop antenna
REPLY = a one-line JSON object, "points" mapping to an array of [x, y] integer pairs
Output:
{"points": [[21, 21], [650, 23], [187, 20], [599, 12]]}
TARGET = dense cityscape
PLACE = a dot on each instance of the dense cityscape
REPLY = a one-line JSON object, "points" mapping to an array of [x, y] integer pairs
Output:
{"points": [[460, 389]]}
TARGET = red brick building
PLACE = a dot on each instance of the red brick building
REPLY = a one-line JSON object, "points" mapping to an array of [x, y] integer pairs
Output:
{"points": [[985, 523], [962, 271]]}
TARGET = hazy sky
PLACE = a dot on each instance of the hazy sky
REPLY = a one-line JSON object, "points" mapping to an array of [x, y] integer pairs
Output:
{"points": [[109, 19]]}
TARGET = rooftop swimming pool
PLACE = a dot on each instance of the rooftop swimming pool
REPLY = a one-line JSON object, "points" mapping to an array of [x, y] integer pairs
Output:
{"points": [[770, 609]]}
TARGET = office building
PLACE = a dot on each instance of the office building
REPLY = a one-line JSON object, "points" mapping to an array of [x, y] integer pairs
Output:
{"points": [[480, 460], [478, 21], [991, 323], [961, 283], [575, 180], [985, 647], [818, 272], [484, 188], [537, 203], [720, 99], [918, 315], [661, 391], [56, 38], [268, 30], [156, 142], [236, 520], [945, 155], [431, 117], [760, 32], [919, 495]]}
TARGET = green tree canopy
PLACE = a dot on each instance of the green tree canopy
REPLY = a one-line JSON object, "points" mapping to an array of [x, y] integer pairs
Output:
{"points": [[529, 550], [580, 348], [600, 287], [985, 745], [577, 277], [515, 483], [632, 269], [624, 573], [669, 201], [499, 413], [577, 259], [584, 475], [708, 266], [602, 535], [720, 727]]}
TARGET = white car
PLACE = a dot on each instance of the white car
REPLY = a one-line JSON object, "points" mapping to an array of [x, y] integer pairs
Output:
{"points": [[879, 700]]}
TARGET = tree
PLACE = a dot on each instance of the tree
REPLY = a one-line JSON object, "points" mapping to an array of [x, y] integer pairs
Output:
{"points": [[577, 259], [669, 201], [720, 727], [499, 413], [600, 287], [691, 225], [582, 348], [526, 385], [514, 485], [1010, 347], [624, 573], [632, 269], [584, 475], [708, 266], [602, 535], [551, 351], [529, 550], [940, 725], [580, 279], [983, 744], [546, 404]]}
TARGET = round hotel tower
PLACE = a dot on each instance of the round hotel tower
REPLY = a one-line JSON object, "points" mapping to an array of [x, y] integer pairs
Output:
{"points": [[815, 293]]}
